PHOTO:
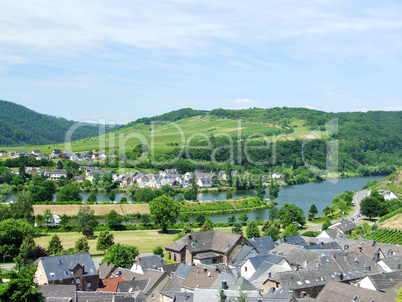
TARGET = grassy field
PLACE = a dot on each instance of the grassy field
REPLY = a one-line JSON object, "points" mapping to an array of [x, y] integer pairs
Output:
{"points": [[146, 240], [393, 223], [181, 132]]}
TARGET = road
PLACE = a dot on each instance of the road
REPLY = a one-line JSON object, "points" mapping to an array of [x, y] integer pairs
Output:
{"points": [[357, 198]]}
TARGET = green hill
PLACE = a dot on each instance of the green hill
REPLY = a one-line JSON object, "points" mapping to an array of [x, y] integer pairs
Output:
{"points": [[21, 126]]}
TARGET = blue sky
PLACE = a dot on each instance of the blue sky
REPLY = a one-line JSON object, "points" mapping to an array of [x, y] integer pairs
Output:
{"points": [[122, 60]]}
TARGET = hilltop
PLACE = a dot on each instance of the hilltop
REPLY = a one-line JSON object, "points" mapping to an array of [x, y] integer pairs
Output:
{"points": [[21, 126]]}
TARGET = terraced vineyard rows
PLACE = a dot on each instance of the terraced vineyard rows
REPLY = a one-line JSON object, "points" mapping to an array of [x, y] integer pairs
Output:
{"points": [[386, 236]]}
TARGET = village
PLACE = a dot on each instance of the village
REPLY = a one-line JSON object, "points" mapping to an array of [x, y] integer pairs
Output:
{"points": [[220, 266]]}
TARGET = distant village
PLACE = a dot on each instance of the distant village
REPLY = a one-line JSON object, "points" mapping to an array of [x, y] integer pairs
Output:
{"points": [[152, 180], [219, 266]]}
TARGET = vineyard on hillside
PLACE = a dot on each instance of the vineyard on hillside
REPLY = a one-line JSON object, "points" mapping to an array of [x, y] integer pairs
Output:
{"points": [[386, 236]]}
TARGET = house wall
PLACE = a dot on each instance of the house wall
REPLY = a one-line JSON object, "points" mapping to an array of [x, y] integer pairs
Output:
{"points": [[154, 295], [40, 275], [247, 270], [366, 283]]}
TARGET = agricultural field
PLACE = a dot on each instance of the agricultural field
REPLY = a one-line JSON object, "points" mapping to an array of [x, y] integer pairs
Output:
{"points": [[100, 209], [166, 137], [386, 236], [393, 222]]}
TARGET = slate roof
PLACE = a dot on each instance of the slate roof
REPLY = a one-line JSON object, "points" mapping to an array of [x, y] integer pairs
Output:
{"points": [[199, 242], [61, 266], [170, 268], [294, 240], [241, 255], [183, 297], [344, 225], [285, 249], [153, 277], [270, 258], [263, 244], [132, 286], [384, 281], [201, 276], [370, 247], [106, 269], [149, 262], [183, 270], [173, 285], [394, 263], [232, 282], [338, 291], [59, 292], [105, 297]]}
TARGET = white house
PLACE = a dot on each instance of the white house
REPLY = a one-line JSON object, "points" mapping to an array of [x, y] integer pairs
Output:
{"points": [[388, 195]]}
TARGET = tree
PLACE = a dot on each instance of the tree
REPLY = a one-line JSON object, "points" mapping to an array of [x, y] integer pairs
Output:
{"points": [[290, 230], [13, 233], [5, 191], [200, 219], [64, 220], [184, 217], [114, 220], [273, 189], [327, 223], [144, 194], [121, 255], [290, 213], [70, 192], [158, 251], [48, 217], [373, 206], [252, 230], [164, 211], [112, 196], [85, 219], [273, 232], [54, 247], [92, 197], [229, 195], [327, 210], [59, 165], [194, 188], [260, 189], [27, 245], [266, 225], [81, 245], [187, 228], [313, 211], [131, 189], [207, 226], [21, 285], [105, 241], [273, 213], [243, 218], [231, 220], [23, 207], [236, 229]]}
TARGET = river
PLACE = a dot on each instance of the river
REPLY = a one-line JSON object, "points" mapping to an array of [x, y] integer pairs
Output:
{"points": [[319, 193]]}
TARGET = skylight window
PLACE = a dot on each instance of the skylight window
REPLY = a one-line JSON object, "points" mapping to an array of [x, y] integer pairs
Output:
{"points": [[299, 282], [52, 275], [60, 261], [66, 273], [307, 281]]}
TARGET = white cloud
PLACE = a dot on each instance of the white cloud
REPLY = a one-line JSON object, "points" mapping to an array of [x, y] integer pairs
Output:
{"points": [[392, 108], [245, 101], [333, 95], [310, 107]]}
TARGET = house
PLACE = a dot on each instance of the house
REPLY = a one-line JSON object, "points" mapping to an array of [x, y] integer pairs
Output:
{"points": [[77, 269], [277, 175], [3, 153], [173, 285], [20, 154], [388, 195], [41, 172], [59, 292], [345, 226], [391, 264], [57, 174], [381, 282], [55, 153], [145, 262], [211, 247], [36, 152], [201, 276], [249, 268], [263, 245], [338, 291], [79, 179]]}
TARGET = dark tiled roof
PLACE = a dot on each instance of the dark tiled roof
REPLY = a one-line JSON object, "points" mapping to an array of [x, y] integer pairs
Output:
{"points": [[106, 269], [183, 270], [338, 291], [201, 277], [206, 241], [244, 251], [132, 286], [59, 291], [59, 267], [294, 240], [344, 225], [263, 244], [394, 263], [151, 262], [173, 285], [105, 297], [232, 282], [385, 281]]}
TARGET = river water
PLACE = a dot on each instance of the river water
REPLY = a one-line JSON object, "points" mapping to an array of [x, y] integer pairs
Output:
{"points": [[319, 193]]}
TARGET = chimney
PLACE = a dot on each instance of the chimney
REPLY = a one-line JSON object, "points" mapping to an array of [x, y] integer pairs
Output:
{"points": [[139, 260], [333, 256], [225, 285], [360, 249]]}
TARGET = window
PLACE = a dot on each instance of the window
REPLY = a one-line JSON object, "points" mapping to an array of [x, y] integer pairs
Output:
{"points": [[77, 280], [66, 273], [60, 261], [89, 284], [52, 275]]}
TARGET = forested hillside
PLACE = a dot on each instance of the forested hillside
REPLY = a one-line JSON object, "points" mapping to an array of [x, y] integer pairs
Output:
{"points": [[21, 126]]}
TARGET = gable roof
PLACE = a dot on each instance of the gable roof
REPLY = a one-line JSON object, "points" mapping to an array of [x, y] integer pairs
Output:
{"points": [[263, 244], [106, 269], [149, 261], [385, 281], [183, 270], [344, 225], [294, 240], [59, 292], [241, 254], [338, 291], [173, 285], [199, 242], [201, 276], [232, 282], [60, 267]]}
